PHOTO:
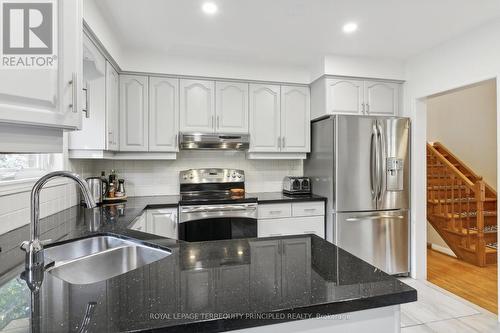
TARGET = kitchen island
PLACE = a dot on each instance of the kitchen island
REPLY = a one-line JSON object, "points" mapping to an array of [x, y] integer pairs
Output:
{"points": [[294, 283]]}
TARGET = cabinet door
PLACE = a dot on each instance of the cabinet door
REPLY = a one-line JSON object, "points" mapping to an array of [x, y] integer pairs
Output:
{"points": [[134, 113], [344, 96], [163, 114], [197, 290], [381, 98], [295, 119], [296, 270], [92, 134], [140, 223], [49, 97], [162, 222], [231, 104], [112, 108], [197, 103], [265, 135], [265, 272], [233, 288]]}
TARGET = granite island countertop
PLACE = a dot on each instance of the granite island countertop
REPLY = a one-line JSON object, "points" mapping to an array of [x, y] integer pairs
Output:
{"points": [[207, 286]]}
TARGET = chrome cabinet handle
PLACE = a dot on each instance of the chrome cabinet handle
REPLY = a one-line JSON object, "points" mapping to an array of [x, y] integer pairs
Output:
{"points": [[309, 209], [110, 134], [74, 91], [87, 101], [283, 145], [367, 108], [275, 212], [363, 105], [218, 122], [176, 142], [279, 142]]}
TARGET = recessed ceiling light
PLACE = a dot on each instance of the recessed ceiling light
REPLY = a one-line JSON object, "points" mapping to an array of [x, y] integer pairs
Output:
{"points": [[209, 8], [350, 27]]}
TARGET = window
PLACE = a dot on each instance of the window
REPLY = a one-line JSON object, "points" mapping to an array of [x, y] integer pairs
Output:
{"points": [[27, 166]]}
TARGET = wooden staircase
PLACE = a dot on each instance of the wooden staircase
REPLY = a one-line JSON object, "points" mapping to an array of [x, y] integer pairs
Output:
{"points": [[461, 207]]}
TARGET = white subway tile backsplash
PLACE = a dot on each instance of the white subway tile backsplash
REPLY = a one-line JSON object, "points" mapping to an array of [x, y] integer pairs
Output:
{"points": [[162, 177]]}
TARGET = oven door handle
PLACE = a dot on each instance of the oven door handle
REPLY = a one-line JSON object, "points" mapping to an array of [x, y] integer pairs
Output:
{"points": [[230, 208]]}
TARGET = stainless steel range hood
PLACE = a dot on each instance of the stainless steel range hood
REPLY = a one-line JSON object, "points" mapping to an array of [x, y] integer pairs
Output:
{"points": [[211, 141]]}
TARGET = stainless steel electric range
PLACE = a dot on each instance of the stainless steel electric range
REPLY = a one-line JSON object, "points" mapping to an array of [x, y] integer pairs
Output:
{"points": [[214, 206]]}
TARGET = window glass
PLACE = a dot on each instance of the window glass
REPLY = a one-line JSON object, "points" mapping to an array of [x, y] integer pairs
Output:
{"points": [[27, 166]]}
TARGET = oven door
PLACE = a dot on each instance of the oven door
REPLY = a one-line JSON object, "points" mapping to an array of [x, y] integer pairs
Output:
{"points": [[216, 222]]}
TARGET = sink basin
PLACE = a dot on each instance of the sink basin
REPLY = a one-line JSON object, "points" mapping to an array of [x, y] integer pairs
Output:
{"points": [[99, 258]]}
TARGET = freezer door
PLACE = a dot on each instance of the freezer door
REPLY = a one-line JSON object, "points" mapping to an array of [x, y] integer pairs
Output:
{"points": [[394, 187], [355, 155], [379, 238]]}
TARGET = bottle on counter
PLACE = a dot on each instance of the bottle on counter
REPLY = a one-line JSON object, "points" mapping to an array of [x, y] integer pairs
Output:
{"points": [[120, 191], [111, 190]]}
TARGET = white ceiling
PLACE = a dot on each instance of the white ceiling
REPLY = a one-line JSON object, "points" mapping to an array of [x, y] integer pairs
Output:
{"points": [[292, 31]]}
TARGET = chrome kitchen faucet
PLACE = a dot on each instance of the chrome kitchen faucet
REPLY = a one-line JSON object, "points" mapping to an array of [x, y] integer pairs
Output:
{"points": [[34, 263]]}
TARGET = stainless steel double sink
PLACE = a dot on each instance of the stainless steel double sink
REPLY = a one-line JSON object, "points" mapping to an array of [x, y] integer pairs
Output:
{"points": [[99, 258]]}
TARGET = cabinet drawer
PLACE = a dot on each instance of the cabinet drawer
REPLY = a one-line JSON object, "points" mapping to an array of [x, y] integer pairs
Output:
{"points": [[291, 226], [275, 211], [308, 209]]}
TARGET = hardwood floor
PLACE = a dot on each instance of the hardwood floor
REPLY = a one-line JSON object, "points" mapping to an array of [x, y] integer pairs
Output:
{"points": [[476, 284]]}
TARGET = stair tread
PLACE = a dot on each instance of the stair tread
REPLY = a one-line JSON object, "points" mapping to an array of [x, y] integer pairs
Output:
{"points": [[436, 201], [456, 215]]}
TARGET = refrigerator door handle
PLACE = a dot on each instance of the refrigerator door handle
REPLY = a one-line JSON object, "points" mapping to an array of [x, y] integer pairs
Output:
{"points": [[373, 158], [380, 171], [374, 217]]}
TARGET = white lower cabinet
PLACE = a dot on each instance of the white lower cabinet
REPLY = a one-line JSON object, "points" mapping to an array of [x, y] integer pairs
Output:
{"points": [[291, 219], [160, 222]]}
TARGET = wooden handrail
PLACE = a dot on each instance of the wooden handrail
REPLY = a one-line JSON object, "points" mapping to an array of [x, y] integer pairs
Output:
{"points": [[464, 165], [450, 166]]}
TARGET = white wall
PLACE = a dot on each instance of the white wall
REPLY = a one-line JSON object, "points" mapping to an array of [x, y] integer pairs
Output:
{"points": [[144, 178], [93, 16], [467, 59], [381, 68], [227, 68]]}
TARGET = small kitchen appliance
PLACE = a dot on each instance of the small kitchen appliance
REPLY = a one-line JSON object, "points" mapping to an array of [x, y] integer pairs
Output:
{"points": [[296, 185]]}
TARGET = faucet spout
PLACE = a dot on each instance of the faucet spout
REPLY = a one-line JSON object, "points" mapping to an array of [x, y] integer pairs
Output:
{"points": [[34, 247]]}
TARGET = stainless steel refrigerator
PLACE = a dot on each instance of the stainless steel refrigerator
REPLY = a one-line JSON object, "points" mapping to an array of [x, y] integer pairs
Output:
{"points": [[361, 164]]}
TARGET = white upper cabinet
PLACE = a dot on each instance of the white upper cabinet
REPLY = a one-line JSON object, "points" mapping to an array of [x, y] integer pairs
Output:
{"points": [[344, 96], [231, 104], [163, 114], [49, 97], [134, 120], [265, 121], [295, 119], [92, 133], [197, 106], [354, 96], [381, 98], [112, 108]]}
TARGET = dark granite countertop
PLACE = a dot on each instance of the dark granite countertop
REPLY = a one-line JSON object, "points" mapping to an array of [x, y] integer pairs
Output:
{"points": [[206, 286], [279, 197]]}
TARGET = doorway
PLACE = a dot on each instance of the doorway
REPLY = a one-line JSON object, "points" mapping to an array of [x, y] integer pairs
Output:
{"points": [[461, 192]]}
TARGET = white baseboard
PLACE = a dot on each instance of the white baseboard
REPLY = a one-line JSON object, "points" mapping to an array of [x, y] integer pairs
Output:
{"points": [[442, 249]]}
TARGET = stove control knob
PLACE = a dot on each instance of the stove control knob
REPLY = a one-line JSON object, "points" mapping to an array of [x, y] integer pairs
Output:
{"points": [[191, 177], [239, 176], [234, 175], [185, 177]]}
